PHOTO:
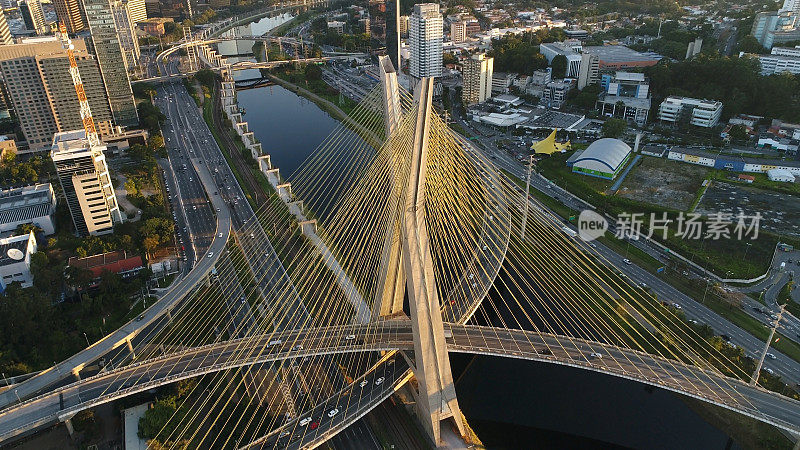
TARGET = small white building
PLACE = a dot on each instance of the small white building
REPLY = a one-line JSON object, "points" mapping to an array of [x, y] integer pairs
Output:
{"points": [[780, 175], [30, 204], [15, 260]]}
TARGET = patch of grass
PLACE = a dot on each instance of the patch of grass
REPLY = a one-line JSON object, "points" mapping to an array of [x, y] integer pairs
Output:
{"points": [[747, 432]]}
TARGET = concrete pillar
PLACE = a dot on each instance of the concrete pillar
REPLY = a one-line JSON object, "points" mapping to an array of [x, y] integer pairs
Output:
{"points": [[389, 298], [308, 227], [437, 399], [70, 429], [285, 191], [130, 348], [264, 163], [76, 372]]}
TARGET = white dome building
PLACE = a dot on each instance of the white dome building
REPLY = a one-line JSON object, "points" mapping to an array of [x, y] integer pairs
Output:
{"points": [[604, 158]]}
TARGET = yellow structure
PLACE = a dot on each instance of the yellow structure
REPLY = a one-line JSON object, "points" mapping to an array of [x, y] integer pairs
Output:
{"points": [[549, 145]]}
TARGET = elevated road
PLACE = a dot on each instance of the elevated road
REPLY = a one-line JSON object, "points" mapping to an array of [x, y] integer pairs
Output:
{"points": [[705, 385]]}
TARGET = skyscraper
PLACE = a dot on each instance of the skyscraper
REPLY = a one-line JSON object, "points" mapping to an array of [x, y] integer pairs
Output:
{"points": [[70, 13], [33, 16], [126, 31], [5, 32], [107, 48], [393, 32], [137, 11], [477, 76], [39, 86], [86, 183], [425, 38]]}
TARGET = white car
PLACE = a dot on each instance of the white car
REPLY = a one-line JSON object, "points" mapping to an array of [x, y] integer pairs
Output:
{"points": [[350, 337], [210, 254], [627, 261], [333, 412], [596, 355], [363, 383], [304, 422], [769, 371], [219, 235], [771, 356], [284, 434], [379, 381]]}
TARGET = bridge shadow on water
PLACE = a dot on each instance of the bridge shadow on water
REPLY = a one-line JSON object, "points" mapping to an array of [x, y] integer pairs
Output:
{"points": [[522, 404]]}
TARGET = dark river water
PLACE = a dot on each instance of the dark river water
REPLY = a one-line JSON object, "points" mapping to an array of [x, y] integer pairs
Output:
{"points": [[510, 403]]}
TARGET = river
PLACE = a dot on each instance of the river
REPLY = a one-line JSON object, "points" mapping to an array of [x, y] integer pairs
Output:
{"points": [[510, 403]]}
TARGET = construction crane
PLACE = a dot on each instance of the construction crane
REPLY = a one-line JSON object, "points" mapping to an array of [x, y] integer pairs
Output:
{"points": [[86, 112]]}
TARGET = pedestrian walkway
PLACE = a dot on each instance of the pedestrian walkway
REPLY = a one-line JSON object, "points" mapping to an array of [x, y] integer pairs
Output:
{"points": [[624, 174]]}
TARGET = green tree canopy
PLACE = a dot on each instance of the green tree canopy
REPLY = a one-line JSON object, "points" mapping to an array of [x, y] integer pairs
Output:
{"points": [[559, 65]]}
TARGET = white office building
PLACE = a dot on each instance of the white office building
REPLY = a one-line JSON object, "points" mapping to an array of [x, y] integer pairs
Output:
{"points": [[700, 113], [570, 49], [86, 183], [425, 40], [35, 205], [782, 59], [15, 260]]}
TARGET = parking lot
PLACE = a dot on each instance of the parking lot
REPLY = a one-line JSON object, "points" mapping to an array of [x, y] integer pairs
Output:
{"points": [[780, 212]]}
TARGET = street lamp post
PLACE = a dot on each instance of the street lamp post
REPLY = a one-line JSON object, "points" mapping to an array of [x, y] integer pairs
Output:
{"points": [[527, 197], [87, 339], [757, 372], [708, 282]]}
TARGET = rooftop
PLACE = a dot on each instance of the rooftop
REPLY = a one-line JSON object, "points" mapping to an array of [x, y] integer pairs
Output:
{"points": [[620, 54], [26, 203], [14, 248], [116, 262], [554, 119]]}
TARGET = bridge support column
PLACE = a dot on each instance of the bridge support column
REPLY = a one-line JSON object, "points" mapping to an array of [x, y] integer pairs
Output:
{"points": [[130, 348], [70, 428], [389, 299], [76, 372], [437, 393]]}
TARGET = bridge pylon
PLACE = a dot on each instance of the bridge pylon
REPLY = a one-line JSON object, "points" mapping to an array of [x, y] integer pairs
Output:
{"points": [[389, 297], [437, 394]]}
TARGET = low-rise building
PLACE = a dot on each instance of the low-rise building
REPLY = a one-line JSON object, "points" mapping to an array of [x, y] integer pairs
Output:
{"points": [[117, 262], [8, 146], [154, 26], [15, 260], [780, 175], [35, 205], [625, 95], [782, 144], [336, 26], [700, 113], [782, 59], [555, 92], [603, 158]]}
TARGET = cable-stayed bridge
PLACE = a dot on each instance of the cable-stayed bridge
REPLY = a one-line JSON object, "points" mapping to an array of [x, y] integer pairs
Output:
{"points": [[396, 212]]}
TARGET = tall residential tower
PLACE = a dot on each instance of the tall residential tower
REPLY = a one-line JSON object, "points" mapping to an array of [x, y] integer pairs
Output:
{"points": [[425, 38]]}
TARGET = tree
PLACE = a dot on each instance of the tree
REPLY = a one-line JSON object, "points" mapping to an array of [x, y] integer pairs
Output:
{"points": [[313, 72], [738, 133], [749, 44], [559, 65], [614, 128], [206, 77]]}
